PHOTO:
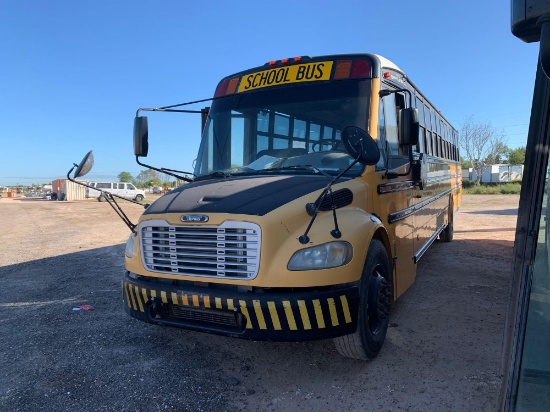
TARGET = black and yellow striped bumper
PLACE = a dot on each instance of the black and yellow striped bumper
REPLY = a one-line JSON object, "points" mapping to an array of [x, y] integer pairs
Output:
{"points": [[258, 316]]}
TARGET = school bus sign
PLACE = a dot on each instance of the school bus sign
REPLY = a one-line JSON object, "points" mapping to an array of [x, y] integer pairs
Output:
{"points": [[282, 75]]}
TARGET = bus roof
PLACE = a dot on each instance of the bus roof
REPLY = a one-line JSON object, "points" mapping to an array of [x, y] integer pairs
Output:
{"points": [[388, 63]]}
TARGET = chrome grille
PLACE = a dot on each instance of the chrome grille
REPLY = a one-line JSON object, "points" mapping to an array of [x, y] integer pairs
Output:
{"points": [[230, 250]]}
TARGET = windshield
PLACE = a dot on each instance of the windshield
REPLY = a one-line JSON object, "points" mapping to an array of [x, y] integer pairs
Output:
{"points": [[284, 130]]}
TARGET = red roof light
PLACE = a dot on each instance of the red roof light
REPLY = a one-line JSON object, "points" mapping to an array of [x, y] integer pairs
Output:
{"points": [[222, 88], [360, 68]]}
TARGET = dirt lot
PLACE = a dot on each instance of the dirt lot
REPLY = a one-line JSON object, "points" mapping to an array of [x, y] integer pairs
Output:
{"points": [[442, 351]]}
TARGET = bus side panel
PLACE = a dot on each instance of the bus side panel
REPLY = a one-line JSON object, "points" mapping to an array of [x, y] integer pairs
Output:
{"points": [[432, 203], [405, 269], [394, 204]]}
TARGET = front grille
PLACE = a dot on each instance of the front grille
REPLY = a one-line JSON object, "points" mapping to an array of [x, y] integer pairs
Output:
{"points": [[231, 250], [214, 317]]}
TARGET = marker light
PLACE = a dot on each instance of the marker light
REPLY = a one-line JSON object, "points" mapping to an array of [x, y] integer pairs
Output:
{"points": [[387, 75], [284, 61]]}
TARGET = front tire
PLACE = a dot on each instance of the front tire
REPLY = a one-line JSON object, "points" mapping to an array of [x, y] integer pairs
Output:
{"points": [[139, 198], [374, 307]]}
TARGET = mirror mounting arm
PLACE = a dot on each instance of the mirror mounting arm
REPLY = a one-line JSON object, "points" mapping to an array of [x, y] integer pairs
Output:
{"points": [[314, 207], [110, 198], [392, 175], [387, 92], [116, 207]]}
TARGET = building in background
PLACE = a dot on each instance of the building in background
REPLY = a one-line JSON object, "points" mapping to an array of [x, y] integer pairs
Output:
{"points": [[495, 174], [72, 191]]}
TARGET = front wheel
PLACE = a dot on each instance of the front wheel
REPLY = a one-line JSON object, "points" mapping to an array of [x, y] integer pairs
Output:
{"points": [[139, 198], [374, 307]]}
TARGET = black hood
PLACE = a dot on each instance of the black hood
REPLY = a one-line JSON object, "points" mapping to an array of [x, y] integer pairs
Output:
{"points": [[256, 195]]}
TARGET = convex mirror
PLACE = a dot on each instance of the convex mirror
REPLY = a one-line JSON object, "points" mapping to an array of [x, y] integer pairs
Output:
{"points": [[360, 145], [85, 165]]}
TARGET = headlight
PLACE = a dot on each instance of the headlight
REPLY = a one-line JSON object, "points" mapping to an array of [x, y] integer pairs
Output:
{"points": [[130, 246], [325, 256]]}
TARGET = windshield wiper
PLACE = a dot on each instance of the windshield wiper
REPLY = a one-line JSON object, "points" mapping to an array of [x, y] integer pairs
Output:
{"points": [[291, 168], [214, 175]]}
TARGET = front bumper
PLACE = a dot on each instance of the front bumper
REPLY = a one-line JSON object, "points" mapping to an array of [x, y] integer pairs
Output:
{"points": [[291, 316]]}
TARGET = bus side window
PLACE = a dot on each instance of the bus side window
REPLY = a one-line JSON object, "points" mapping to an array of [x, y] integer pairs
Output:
{"points": [[422, 140], [388, 125], [390, 111], [381, 136], [400, 104]]}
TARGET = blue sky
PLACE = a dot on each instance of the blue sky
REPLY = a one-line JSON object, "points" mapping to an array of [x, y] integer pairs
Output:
{"points": [[73, 73]]}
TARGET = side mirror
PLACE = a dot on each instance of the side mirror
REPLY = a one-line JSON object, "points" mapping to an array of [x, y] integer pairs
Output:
{"points": [[525, 18], [360, 145], [85, 165], [408, 127], [141, 136]]}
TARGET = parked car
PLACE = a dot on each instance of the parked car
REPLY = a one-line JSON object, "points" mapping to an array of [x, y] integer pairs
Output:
{"points": [[127, 190], [156, 190]]}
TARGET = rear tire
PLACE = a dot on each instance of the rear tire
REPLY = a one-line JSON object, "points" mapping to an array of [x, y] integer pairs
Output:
{"points": [[375, 297], [100, 198], [447, 234]]}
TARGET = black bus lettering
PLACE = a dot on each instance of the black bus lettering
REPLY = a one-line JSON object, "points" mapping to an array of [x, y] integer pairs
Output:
{"points": [[319, 69], [263, 78], [300, 73], [271, 77], [248, 83], [312, 71], [281, 75], [254, 83]]}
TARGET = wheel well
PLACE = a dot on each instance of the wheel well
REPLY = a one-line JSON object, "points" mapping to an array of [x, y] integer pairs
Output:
{"points": [[382, 236]]}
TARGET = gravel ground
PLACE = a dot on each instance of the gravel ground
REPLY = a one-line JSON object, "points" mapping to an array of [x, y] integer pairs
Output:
{"points": [[442, 351]]}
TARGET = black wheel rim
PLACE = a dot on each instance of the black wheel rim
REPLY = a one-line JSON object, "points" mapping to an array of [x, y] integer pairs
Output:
{"points": [[378, 300]]}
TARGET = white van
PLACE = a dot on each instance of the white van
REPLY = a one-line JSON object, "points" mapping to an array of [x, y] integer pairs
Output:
{"points": [[127, 190]]}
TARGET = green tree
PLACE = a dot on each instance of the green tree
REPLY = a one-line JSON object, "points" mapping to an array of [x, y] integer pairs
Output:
{"points": [[481, 144], [125, 177], [147, 178], [516, 156], [466, 164], [498, 155]]}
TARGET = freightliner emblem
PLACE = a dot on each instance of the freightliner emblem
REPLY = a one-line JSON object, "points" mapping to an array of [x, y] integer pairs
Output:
{"points": [[194, 218]]}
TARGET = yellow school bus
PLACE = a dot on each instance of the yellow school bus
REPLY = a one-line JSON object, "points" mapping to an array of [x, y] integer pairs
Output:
{"points": [[319, 184]]}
